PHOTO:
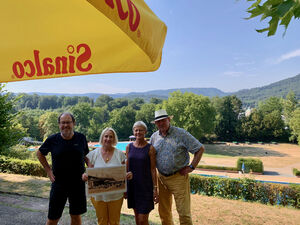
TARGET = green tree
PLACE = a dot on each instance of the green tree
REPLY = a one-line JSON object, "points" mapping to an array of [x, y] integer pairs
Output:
{"points": [[271, 104], [227, 119], [10, 131], [118, 103], [136, 103], [104, 101], [70, 101], [48, 124], [146, 114], [289, 106], [273, 127], [29, 119], [295, 124], [156, 100], [266, 123], [82, 112], [122, 120], [192, 112], [97, 121], [280, 12], [251, 126], [48, 102]]}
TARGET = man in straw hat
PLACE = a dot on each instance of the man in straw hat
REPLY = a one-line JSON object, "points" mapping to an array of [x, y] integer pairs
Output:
{"points": [[173, 145]]}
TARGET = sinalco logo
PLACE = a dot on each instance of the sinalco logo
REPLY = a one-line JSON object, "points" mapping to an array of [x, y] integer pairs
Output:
{"points": [[70, 63], [132, 10]]}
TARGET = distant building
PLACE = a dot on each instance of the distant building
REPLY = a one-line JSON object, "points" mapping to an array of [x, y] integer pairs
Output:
{"points": [[248, 112]]}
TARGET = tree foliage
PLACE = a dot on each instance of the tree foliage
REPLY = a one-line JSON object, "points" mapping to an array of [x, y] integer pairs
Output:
{"points": [[48, 124], [192, 112], [10, 131], [295, 124], [122, 120], [145, 114], [227, 120], [280, 12]]}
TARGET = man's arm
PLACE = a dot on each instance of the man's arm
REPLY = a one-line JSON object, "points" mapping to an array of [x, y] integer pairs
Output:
{"points": [[194, 163], [46, 166], [197, 157]]}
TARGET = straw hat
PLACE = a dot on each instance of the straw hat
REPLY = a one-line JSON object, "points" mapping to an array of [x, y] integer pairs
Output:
{"points": [[160, 115]]}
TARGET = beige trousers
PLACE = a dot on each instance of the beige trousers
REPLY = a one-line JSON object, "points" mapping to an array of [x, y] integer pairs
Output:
{"points": [[179, 186], [108, 212]]}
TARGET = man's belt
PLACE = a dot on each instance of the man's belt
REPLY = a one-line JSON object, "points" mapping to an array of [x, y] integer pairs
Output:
{"points": [[168, 175]]}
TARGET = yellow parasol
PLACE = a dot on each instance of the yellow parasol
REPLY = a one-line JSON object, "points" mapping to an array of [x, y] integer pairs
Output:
{"points": [[62, 38]]}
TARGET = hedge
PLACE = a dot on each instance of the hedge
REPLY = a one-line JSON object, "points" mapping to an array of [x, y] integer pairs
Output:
{"points": [[18, 166], [296, 172], [251, 164], [247, 190], [217, 167]]}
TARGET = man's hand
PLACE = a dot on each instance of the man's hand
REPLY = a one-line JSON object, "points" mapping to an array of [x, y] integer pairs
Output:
{"points": [[51, 175], [185, 170]]}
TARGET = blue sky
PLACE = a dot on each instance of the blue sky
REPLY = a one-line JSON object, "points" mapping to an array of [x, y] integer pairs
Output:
{"points": [[208, 44]]}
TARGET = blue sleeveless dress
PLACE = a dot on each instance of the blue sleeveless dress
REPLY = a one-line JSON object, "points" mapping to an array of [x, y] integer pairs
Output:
{"points": [[140, 187]]}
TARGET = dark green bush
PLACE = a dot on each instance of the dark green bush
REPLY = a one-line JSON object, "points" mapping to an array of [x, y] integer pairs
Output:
{"points": [[296, 172], [247, 190], [217, 167], [18, 166], [251, 164], [20, 152]]}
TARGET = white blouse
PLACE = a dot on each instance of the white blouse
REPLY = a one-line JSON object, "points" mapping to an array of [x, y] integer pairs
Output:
{"points": [[117, 159]]}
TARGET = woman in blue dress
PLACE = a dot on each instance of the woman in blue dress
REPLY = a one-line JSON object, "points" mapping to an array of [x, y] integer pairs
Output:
{"points": [[142, 188]]}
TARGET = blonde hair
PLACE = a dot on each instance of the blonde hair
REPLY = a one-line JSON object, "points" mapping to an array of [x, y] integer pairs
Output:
{"points": [[115, 142]]}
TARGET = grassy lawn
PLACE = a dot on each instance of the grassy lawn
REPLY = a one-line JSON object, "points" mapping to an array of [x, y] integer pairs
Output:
{"points": [[205, 210]]}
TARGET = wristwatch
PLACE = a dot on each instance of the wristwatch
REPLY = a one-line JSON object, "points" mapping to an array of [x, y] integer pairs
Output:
{"points": [[191, 166]]}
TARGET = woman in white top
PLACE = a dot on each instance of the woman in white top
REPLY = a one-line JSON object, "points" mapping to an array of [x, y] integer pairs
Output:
{"points": [[107, 206]]}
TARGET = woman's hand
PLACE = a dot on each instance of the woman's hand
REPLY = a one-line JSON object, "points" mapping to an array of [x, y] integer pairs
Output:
{"points": [[155, 196], [84, 177], [129, 175]]}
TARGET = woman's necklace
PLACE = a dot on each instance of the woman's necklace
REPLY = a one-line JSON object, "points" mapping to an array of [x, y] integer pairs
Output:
{"points": [[105, 155]]}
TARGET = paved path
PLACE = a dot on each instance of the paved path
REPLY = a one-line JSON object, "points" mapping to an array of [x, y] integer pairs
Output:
{"points": [[22, 210]]}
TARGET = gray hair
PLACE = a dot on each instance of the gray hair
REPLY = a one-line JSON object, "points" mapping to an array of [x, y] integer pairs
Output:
{"points": [[115, 142], [139, 124]]}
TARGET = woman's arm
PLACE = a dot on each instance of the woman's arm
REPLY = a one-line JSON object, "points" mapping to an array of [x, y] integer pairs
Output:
{"points": [[129, 173], [152, 154]]}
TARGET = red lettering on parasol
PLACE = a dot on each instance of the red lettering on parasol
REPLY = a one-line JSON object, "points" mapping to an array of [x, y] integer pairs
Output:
{"points": [[132, 9], [58, 65]]}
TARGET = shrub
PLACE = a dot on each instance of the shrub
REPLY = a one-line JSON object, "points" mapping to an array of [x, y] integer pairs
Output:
{"points": [[20, 152], [247, 190], [18, 166], [296, 172], [217, 167], [255, 165]]}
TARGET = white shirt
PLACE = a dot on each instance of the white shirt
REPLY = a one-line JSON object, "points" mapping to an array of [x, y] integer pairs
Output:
{"points": [[117, 159]]}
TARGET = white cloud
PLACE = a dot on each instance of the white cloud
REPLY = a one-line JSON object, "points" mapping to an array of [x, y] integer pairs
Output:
{"points": [[288, 56]]}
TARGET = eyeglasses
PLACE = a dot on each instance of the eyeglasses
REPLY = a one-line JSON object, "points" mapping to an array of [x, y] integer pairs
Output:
{"points": [[66, 122]]}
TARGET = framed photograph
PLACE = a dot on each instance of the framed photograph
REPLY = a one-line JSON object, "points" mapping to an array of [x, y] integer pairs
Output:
{"points": [[106, 180]]}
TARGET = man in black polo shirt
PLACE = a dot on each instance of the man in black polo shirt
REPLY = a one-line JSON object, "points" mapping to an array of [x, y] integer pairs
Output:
{"points": [[68, 152]]}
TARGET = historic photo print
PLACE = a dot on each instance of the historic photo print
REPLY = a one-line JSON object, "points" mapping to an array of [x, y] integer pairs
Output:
{"points": [[106, 180]]}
